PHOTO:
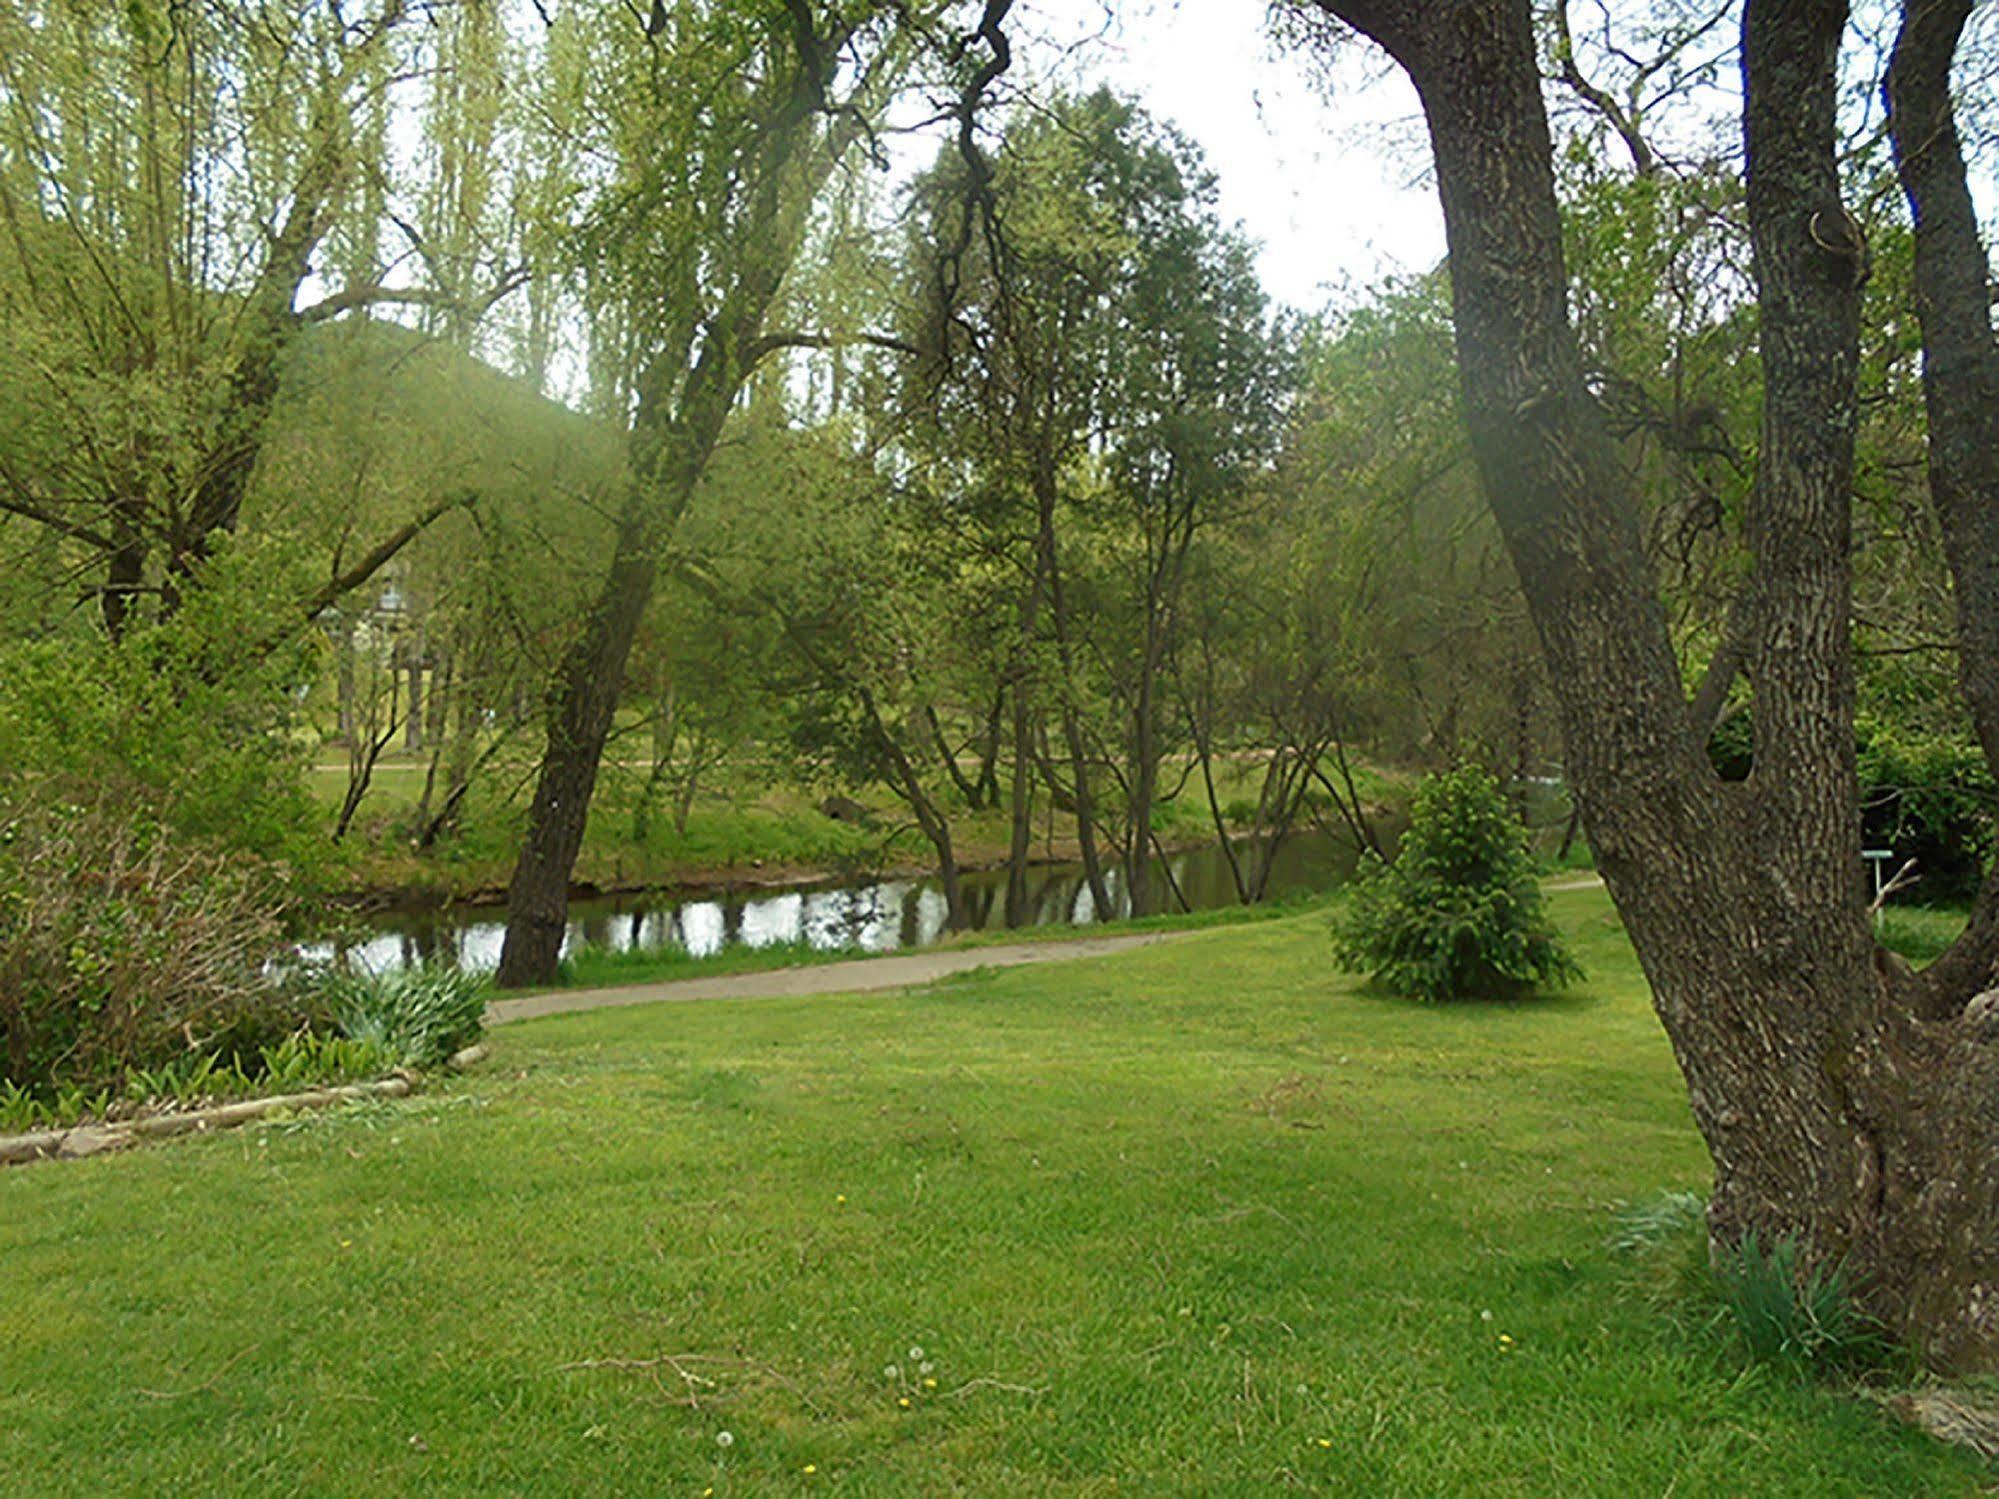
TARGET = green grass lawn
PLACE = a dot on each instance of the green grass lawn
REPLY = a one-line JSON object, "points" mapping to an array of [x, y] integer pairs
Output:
{"points": [[1202, 1219]]}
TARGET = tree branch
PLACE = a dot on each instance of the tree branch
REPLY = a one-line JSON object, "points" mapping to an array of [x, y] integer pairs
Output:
{"points": [[376, 295], [345, 582], [771, 342], [1643, 162]]}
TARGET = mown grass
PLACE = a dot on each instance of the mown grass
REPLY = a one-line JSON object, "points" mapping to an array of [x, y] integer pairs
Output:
{"points": [[1919, 933], [1206, 1218]]}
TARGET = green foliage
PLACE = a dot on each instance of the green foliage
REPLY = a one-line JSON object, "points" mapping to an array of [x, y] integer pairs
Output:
{"points": [[122, 946], [165, 724], [1928, 795], [419, 1016], [1788, 1313], [299, 1062], [1459, 914]]}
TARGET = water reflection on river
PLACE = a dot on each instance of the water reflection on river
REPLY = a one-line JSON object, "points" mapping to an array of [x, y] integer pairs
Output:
{"points": [[873, 915]]}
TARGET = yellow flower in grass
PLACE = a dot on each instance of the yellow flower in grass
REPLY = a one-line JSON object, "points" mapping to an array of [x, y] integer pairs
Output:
{"points": [[810, 1469]]}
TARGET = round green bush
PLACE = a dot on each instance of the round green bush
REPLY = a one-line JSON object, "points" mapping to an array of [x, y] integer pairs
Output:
{"points": [[1458, 915]]}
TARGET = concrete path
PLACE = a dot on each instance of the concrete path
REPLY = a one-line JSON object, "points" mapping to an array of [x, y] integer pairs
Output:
{"points": [[848, 976]]}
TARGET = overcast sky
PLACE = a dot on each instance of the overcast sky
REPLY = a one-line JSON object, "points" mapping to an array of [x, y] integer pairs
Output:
{"points": [[1330, 186]]}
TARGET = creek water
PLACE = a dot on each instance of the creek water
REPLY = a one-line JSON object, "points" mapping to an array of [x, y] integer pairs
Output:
{"points": [[872, 914]]}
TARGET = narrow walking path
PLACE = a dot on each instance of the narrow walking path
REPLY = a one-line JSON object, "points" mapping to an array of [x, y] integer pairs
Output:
{"points": [[896, 971]]}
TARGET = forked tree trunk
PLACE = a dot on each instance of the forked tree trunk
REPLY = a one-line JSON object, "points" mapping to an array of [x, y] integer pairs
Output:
{"points": [[1847, 1104]]}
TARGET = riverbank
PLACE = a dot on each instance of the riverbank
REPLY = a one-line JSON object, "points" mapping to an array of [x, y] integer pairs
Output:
{"points": [[741, 837], [604, 968]]}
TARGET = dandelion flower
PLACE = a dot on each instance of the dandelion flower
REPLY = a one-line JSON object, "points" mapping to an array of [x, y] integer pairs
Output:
{"points": [[841, 1199], [903, 1402], [929, 1384], [810, 1469], [1485, 1315], [926, 1367], [725, 1439], [1325, 1442], [916, 1355], [892, 1372]]}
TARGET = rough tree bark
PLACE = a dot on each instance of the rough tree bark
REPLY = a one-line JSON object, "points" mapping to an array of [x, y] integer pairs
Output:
{"points": [[1961, 391], [1846, 1104]]}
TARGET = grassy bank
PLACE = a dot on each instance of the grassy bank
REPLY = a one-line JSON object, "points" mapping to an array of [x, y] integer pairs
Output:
{"points": [[742, 826], [1202, 1219]]}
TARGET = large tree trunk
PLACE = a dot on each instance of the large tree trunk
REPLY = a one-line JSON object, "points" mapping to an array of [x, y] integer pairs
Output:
{"points": [[582, 703], [1841, 1111], [1961, 393], [683, 401]]}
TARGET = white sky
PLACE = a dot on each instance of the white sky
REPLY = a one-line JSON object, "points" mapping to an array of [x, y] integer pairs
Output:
{"points": [[1332, 187]]}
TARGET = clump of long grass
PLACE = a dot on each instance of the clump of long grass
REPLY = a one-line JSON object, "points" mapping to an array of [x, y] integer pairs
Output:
{"points": [[418, 1016], [1783, 1310], [198, 1079], [1788, 1311]]}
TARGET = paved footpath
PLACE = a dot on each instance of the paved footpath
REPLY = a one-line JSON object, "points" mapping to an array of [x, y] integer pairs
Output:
{"points": [[848, 976]]}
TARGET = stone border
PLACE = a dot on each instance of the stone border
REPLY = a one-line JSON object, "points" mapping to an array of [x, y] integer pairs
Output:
{"points": [[97, 1139]]}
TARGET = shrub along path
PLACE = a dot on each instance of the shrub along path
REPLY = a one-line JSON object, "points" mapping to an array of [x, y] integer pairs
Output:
{"points": [[1201, 1218]]}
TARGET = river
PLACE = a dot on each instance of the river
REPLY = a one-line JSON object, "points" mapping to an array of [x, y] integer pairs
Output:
{"points": [[873, 915]]}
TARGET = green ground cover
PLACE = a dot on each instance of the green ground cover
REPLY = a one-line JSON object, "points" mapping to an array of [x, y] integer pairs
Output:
{"points": [[1206, 1218]]}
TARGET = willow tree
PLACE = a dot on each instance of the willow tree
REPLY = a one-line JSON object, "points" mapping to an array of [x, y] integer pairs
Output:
{"points": [[720, 124], [185, 189], [1849, 1104]]}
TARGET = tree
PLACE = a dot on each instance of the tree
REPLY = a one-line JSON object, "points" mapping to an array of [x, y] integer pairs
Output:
{"points": [[1849, 1105], [723, 125], [860, 638], [186, 192], [1459, 914], [1104, 382]]}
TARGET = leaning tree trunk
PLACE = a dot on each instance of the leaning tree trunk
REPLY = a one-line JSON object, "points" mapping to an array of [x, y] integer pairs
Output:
{"points": [[684, 399], [1961, 393], [1844, 1105], [582, 704]]}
